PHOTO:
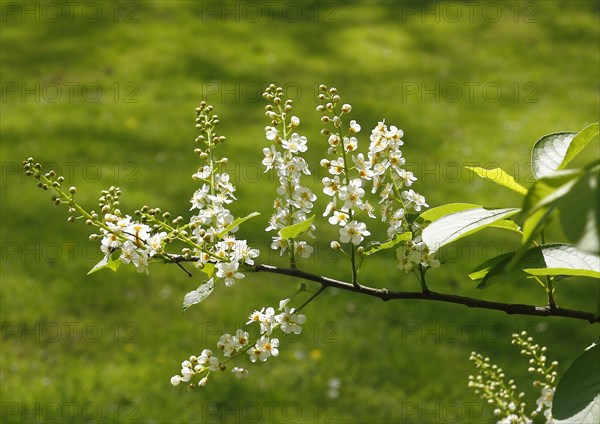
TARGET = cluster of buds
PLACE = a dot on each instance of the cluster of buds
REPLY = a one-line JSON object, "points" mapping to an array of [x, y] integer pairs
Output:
{"points": [[50, 180], [489, 384], [538, 365]]}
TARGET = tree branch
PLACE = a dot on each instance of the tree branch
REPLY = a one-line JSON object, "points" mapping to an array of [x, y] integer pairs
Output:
{"points": [[385, 294]]}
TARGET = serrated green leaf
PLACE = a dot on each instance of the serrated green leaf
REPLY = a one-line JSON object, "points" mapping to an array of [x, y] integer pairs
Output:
{"points": [[577, 395], [237, 222], [198, 295], [293, 231], [457, 225], [499, 176], [549, 152], [559, 259], [110, 261], [398, 238], [578, 144]]}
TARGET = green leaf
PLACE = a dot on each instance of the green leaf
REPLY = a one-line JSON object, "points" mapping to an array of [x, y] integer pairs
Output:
{"points": [[293, 231], [577, 396], [436, 213], [433, 214], [208, 269], [549, 152], [456, 225], [507, 224], [578, 144], [484, 268], [559, 259], [499, 176], [549, 188], [535, 223], [237, 222], [198, 295], [398, 238], [579, 214], [574, 193], [110, 261]]}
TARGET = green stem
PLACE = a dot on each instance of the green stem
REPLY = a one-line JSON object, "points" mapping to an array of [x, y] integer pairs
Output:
{"points": [[292, 242], [422, 271], [350, 212], [549, 285], [310, 299]]}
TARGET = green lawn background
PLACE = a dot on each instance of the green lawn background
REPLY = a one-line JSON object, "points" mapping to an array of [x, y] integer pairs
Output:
{"points": [[101, 348]]}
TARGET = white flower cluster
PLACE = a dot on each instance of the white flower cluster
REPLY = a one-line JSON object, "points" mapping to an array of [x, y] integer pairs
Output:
{"points": [[122, 239], [232, 345], [294, 202], [133, 240], [208, 233], [383, 170], [340, 185], [213, 224]]}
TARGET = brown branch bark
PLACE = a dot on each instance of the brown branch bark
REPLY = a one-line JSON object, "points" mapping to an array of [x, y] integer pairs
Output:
{"points": [[385, 294]]}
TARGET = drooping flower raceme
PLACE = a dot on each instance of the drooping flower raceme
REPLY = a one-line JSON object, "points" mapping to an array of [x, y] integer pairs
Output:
{"points": [[232, 346], [295, 201]]}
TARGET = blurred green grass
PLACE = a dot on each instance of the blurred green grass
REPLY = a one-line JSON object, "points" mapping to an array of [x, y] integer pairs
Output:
{"points": [[397, 362]]}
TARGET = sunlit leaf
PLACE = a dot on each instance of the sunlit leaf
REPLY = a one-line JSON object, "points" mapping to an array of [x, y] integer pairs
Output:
{"points": [[198, 295], [457, 225], [432, 214], [549, 153], [293, 231], [398, 238], [580, 141], [559, 259], [499, 176], [110, 261], [237, 222]]}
